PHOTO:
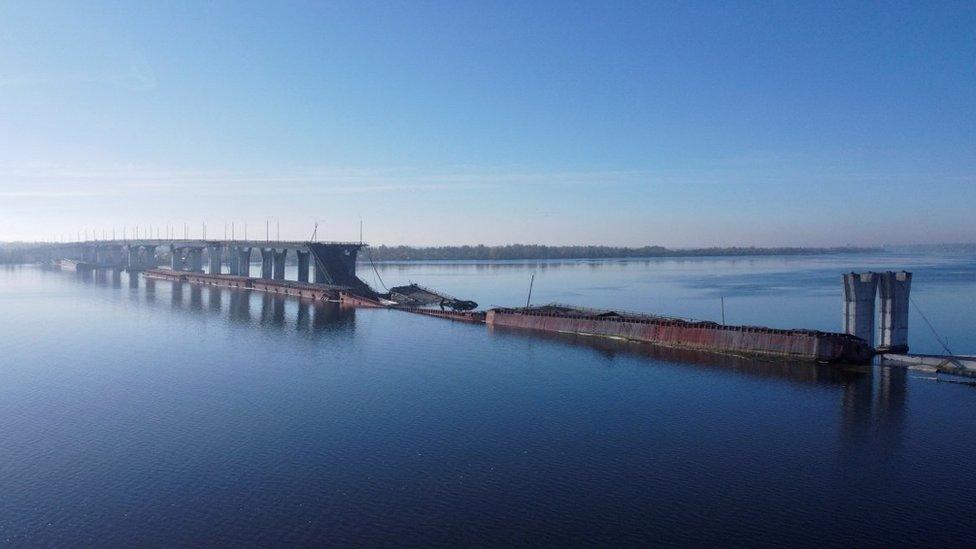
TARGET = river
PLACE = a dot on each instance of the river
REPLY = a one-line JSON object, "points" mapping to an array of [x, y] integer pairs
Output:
{"points": [[141, 413]]}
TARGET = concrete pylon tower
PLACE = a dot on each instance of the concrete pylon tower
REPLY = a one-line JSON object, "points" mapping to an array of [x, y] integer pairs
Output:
{"points": [[894, 290], [859, 293]]}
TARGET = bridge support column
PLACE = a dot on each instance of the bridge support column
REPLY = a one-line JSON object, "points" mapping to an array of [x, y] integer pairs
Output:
{"points": [[244, 261], [321, 277], [267, 262], [150, 257], [195, 259], [279, 263], [859, 292], [176, 258], [234, 260], [894, 289], [132, 257], [214, 258], [302, 265]]}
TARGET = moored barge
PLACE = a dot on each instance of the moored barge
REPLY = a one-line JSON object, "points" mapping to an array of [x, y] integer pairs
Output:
{"points": [[807, 345]]}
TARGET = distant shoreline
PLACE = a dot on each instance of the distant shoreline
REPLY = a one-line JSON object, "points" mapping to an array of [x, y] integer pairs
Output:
{"points": [[538, 252]]}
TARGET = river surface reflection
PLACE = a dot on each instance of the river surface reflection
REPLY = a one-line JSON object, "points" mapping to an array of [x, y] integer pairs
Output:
{"points": [[145, 412]]}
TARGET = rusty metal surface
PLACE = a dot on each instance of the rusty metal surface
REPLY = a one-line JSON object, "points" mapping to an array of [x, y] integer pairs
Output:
{"points": [[354, 300], [477, 317], [794, 344], [415, 295]]}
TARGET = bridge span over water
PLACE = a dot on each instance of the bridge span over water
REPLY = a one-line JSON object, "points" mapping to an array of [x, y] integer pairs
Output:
{"points": [[334, 262]]}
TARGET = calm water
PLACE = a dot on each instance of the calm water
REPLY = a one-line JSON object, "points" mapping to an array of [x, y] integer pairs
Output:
{"points": [[157, 414]]}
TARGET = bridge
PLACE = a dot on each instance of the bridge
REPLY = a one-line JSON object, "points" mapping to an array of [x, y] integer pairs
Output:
{"points": [[334, 262]]}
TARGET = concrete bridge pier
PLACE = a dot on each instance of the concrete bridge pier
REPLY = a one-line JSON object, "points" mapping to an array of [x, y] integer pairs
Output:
{"points": [[302, 265], [132, 257], [149, 257], [279, 263], [859, 293], [176, 258], [244, 261], [267, 262], [214, 252], [233, 260], [195, 259], [894, 290]]}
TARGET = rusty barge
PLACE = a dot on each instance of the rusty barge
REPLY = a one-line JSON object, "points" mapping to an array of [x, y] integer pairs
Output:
{"points": [[806, 345]]}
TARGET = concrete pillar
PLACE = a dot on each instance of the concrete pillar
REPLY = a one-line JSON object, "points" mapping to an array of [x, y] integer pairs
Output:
{"points": [[894, 289], [320, 275], [233, 260], [214, 252], [267, 262], [195, 259], [859, 292], [150, 257], [244, 261], [176, 258], [302, 265], [132, 257], [279, 263]]}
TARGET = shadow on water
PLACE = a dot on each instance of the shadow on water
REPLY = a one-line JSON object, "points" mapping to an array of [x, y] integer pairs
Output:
{"points": [[238, 306], [873, 425], [871, 399], [800, 372]]}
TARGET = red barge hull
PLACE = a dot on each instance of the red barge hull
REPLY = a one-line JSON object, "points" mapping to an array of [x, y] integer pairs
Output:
{"points": [[806, 345]]}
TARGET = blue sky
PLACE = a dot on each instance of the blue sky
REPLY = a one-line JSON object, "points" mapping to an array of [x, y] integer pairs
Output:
{"points": [[681, 124]]}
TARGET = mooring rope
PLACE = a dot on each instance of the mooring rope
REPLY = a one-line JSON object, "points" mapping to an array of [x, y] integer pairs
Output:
{"points": [[931, 327], [375, 271]]}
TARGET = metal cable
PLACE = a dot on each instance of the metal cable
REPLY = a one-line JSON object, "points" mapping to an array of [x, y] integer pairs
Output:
{"points": [[931, 327], [376, 272]]}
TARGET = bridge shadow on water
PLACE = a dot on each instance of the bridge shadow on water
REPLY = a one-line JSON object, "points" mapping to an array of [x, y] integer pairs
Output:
{"points": [[244, 307]]}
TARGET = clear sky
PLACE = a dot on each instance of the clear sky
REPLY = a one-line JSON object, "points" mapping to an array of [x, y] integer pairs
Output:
{"points": [[681, 124]]}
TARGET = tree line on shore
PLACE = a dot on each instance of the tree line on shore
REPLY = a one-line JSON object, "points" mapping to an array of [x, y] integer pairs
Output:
{"points": [[538, 251]]}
